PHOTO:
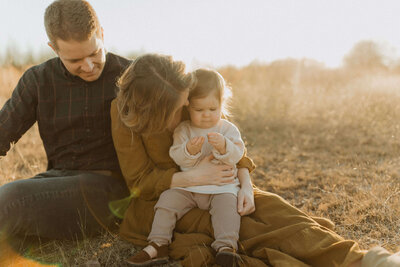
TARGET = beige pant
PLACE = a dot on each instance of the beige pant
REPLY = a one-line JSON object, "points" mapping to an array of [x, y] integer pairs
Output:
{"points": [[174, 203]]}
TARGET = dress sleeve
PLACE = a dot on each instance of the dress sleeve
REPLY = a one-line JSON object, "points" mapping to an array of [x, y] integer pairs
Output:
{"points": [[142, 175], [246, 162], [178, 151], [19, 112]]}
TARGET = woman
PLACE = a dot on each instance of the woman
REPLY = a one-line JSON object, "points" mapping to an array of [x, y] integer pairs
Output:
{"points": [[150, 104]]}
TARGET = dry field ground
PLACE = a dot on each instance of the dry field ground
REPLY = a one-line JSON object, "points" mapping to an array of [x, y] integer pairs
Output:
{"points": [[327, 140]]}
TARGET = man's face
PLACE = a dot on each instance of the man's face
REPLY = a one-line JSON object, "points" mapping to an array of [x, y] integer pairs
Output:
{"points": [[85, 59]]}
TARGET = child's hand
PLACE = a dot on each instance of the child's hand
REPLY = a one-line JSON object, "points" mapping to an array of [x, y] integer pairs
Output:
{"points": [[194, 145], [217, 140]]}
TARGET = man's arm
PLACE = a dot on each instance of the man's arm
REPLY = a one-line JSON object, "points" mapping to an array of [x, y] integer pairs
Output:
{"points": [[19, 112]]}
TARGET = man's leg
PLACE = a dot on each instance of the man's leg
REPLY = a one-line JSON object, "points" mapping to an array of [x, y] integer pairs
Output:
{"points": [[59, 204]]}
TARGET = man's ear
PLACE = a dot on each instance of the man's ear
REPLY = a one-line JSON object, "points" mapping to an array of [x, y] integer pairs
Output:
{"points": [[52, 47]]}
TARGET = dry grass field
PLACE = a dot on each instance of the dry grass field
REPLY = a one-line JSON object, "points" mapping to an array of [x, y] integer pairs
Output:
{"points": [[327, 140]]}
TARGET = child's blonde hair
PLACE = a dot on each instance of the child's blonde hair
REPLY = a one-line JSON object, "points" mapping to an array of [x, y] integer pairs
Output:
{"points": [[210, 81]]}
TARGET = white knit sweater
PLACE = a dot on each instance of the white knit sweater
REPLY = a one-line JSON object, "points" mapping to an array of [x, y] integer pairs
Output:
{"points": [[234, 152]]}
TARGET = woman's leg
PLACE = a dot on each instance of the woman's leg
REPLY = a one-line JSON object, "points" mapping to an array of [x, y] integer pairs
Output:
{"points": [[278, 232], [277, 225]]}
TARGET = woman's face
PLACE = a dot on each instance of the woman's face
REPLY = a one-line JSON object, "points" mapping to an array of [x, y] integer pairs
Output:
{"points": [[183, 101]]}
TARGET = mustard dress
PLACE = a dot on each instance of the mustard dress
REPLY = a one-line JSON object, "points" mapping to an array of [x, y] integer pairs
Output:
{"points": [[276, 234]]}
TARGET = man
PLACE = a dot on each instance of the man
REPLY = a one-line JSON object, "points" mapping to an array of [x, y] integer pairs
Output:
{"points": [[69, 97]]}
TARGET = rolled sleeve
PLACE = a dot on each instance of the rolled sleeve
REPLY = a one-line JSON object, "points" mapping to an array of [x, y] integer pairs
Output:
{"points": [[246, 162], [19, 112]]}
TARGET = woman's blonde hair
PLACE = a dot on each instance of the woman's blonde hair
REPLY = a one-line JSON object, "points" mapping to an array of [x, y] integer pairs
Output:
{"points": [[210, 81], [149, 92]]}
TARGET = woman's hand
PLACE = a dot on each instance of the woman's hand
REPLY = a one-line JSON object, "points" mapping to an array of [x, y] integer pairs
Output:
{"points": [[205, 173], [245, 203], [208, 173]]}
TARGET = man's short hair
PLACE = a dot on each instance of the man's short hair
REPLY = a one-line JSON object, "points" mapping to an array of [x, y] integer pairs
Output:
{"points": [[71, 20]]}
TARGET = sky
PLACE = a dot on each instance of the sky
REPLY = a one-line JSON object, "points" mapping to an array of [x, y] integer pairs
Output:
{"points": [[221, 32]]}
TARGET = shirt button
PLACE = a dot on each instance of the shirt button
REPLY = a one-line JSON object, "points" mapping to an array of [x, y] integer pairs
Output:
{"points": [[88, 130], [86, 108]]}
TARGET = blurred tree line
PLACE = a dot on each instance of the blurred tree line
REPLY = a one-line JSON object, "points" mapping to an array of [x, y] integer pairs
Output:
{"points": [[364, 56], [370, 55], [13, 56]]}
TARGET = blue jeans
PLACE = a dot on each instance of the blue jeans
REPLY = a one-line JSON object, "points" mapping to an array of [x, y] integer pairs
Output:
{"points": [[60, 204]]}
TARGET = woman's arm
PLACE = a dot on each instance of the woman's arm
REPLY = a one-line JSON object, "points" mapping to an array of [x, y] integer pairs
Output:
{"points": [[246, 162], [205, 173], [246, 204], [140, 173]]}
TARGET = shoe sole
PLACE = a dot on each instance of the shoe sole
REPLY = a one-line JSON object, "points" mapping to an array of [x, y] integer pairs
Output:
{"points": [[226, 259]]}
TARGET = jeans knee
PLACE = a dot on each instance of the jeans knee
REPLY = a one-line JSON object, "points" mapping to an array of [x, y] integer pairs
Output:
{"points": [[10, 196], [10, 202], [11, 191]]}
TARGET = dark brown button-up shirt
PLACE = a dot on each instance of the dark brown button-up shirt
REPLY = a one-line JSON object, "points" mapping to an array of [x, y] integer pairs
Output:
{"points": [[73, 115]]}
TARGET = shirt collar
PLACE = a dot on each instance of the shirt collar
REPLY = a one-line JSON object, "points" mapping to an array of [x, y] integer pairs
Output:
{"points": [[64, 71]]}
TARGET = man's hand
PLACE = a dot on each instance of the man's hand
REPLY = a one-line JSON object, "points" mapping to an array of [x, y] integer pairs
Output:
{"points": [[194, 145], [217, 140]]}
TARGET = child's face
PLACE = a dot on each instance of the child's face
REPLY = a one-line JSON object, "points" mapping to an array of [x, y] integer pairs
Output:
{"points": [[205, 112]]}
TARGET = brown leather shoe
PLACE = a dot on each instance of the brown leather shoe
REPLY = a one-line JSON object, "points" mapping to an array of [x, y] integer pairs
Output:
{"points": [[227, 257], [143, 259]]}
